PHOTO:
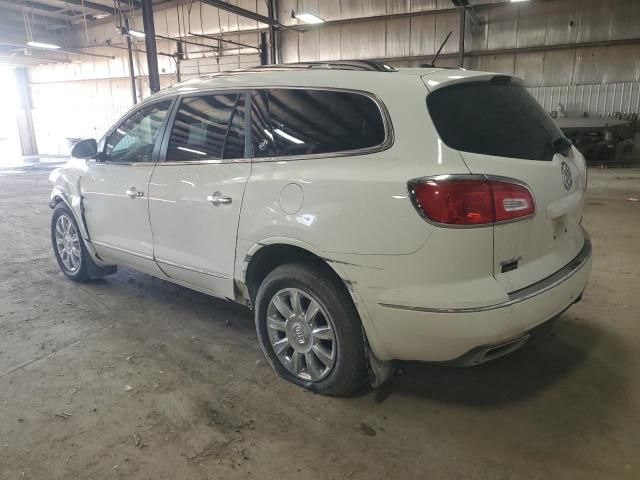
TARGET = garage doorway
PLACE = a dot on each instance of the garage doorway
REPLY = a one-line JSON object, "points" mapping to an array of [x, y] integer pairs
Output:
{"points": [[10, 152]]}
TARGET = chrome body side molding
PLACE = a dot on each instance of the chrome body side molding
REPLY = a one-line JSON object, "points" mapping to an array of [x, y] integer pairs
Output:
{"points": [[191, 269], [123, 250]]}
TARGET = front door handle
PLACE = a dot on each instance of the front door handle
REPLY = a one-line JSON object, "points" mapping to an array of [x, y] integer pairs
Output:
{"points": [[217, 199], [133, 192]]}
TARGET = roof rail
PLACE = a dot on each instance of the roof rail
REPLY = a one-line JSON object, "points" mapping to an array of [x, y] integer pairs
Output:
{"points": [[366, 65], [362, 65]]}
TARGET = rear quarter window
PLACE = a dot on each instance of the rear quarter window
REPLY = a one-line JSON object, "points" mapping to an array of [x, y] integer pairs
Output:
{"points": [[498, 119], [292, 122]]}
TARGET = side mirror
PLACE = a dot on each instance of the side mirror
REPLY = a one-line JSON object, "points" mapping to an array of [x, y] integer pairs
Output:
{"points": [[85, 149]]}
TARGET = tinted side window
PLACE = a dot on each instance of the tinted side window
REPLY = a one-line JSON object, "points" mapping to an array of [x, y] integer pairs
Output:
{"points": [[210, 127], [321, 121], [493, 119], [302, 122], [134, 139]]}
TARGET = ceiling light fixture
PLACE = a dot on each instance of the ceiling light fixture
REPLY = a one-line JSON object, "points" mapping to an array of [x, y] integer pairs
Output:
{"points": [[136, 33], [286, 136], [49, 46], [309, 18]]}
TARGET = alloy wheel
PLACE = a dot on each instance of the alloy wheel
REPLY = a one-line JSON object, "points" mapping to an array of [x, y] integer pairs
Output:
{"points": [[68, 243], [302, 334]]}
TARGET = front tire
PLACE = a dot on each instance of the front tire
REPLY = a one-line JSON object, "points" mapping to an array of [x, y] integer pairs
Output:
{"points": [[309, 330], [68, 245]]}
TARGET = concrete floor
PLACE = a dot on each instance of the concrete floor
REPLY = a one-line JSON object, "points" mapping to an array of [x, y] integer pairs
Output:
{"points": [[203, 404]]}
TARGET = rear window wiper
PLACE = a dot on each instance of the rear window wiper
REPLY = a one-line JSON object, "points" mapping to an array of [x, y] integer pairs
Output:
{"points": [[561, 145]]}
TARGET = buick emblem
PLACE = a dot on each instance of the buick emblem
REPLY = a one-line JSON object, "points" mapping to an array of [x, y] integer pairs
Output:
{"points": [[567, 179]]}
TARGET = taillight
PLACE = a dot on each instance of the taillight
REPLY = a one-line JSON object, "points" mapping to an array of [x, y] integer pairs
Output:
{"points": [[456, 200], [511, 200]]}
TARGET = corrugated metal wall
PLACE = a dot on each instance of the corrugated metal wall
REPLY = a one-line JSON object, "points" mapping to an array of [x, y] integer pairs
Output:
{"points": [[83, 98], [594, 78], [601, 99]]}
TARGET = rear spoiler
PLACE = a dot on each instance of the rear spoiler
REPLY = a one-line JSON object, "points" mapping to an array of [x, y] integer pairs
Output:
{"points": [[440, 79]]}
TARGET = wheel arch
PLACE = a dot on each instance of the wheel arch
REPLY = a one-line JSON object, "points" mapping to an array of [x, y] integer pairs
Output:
{"points": [[56, 198], [268, 254], [265, 256], [58, 195], [74, 204], [95, 265]]}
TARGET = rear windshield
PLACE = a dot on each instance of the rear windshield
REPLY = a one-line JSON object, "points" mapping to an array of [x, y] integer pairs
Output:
{"points": [[500, 119]]}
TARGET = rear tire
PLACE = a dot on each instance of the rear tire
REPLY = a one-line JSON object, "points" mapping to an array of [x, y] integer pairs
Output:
{"points": [[68, 245], [309, 330]]}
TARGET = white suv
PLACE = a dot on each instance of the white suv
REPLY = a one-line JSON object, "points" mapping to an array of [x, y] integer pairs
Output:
{"points": [[366, 213]]}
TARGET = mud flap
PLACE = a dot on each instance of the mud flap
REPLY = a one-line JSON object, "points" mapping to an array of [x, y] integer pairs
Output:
{"points": [[379, 371], [96, 271]]}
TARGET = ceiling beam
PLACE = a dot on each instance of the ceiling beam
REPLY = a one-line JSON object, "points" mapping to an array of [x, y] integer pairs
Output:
{"points": [[467, 8], [245, 13], [223, 40], [36, 5], [37, 9], [47, 51], [9, 12], [89, 5], [31, 61], [137, 4]]}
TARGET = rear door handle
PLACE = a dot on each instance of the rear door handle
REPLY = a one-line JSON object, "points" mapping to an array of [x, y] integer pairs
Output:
{"points": [[133, 192], [217, 199]]}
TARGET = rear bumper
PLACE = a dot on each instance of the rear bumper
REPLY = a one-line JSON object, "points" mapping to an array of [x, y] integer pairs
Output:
{"points": [[486, 353], [472, 335]]}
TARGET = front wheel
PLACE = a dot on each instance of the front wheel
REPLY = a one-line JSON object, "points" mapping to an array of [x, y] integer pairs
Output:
{"points": [[68, 245], [309, 330]]}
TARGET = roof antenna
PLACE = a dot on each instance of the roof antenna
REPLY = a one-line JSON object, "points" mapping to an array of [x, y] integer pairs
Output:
{"points": [[432, 63]]}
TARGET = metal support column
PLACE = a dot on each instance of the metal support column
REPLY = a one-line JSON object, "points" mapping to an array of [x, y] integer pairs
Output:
{"points": [[272, 8], [461, 39], [24, 118], [178, 57], [150, 45], [132, 72], [264, 53]]}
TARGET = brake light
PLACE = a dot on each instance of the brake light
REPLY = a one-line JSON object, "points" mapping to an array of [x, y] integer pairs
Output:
{"points": [[470, 201]]}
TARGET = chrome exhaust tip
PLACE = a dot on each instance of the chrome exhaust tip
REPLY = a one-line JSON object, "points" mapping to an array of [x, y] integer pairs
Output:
{"points": [[500, 350]]}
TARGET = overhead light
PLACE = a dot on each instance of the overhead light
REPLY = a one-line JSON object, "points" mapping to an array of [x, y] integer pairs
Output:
{"points": [[512, 1], [136, 33], [50, 46], [190, 150], [286, 136], [308, 18]]}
